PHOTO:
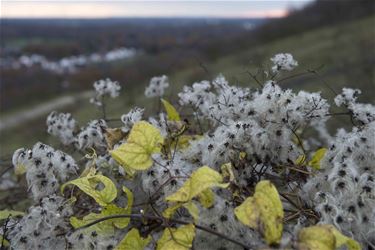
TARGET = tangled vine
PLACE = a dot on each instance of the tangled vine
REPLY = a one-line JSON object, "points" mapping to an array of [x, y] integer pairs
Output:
{"points": [[226, 167]]}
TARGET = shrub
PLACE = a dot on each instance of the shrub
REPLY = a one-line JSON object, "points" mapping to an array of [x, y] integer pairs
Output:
{"points": [[236, 173]]}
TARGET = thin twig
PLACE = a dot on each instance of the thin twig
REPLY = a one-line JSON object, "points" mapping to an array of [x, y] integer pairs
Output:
{"points": [[6, 170], [290, 201], [317, 75], [299, 170], [299, 141], [294, 76], [203, 66], [161, 220], [113, 120], [104, 112], [5, 229], [254, 78]]}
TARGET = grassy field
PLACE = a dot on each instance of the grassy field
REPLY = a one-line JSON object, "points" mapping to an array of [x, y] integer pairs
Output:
{"points": [[344, 55]]}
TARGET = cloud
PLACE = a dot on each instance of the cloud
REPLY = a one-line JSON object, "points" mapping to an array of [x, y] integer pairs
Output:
{"points": [[107, 9]]}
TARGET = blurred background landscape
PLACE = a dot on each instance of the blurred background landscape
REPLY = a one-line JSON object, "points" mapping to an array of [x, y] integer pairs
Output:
{"points": [[50, 62]]}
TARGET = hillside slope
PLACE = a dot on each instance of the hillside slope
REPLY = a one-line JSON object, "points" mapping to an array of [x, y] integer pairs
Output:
{"points": [[343, 55]]}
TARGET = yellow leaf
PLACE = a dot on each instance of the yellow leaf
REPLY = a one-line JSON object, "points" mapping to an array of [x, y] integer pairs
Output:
{"points": [[4, 214], [316, 238], [317, 157], [177, 239], [300, 160], [143, 141], [242, 155], [193, 210], [88, 185], [20, 169], [263, 212], [130, 196], [342, 240], [169, 212], [113, 210], [133, 241], [324, 237], [106, 227], [130, 172], [199, 181], [190, 206], [183, 141], [227, 171], [88, 171], [171, 111], [206, 198], [248, 213]]}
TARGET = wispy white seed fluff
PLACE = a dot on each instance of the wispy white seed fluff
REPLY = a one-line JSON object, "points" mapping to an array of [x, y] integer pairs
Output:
{"points": [[63, 126], [134, 115], [92, 136], [283, 61], [45, 167], [344, 192], [103, 88], [40, 227], [157, 86]]}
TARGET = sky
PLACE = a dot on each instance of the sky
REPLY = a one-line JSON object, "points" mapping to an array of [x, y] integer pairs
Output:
{"points": [[138, 8]]}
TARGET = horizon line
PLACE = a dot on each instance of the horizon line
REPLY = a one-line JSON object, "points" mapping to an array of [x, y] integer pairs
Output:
{"points": [[145, 17]]}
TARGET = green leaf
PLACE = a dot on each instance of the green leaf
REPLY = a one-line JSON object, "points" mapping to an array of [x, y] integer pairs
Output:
{"points": [[143, 141], [200, 180], [263, 212], [324, 237], [88, 185], [172, 113], [317, 157], [4, 214], [133, 241], [182, 238]]}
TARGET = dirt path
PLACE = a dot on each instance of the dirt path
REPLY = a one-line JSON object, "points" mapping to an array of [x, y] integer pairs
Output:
{"points": [[42, 109]]}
